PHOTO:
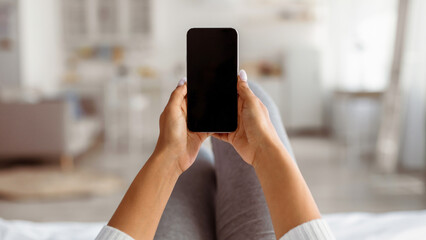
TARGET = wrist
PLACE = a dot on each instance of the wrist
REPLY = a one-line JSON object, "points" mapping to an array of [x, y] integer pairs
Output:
{"points": [[268, 150], [168, 162]]}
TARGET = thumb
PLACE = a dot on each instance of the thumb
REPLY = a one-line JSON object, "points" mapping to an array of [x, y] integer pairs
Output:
{"points": [[178, 95], [242, 86]]}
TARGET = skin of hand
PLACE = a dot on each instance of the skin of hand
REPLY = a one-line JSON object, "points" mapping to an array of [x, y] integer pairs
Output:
{"points": [[254, 129], [175, 138]]}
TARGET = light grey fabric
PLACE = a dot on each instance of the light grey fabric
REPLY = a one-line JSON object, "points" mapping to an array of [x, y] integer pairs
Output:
{"points": [[241, 210]]}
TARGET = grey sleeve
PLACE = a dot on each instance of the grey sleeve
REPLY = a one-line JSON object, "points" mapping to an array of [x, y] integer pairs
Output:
{"points": [[313, 230], [110, 233]]}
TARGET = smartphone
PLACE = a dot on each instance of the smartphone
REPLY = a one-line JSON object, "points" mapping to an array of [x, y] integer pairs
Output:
{"points": [[212, 65]]}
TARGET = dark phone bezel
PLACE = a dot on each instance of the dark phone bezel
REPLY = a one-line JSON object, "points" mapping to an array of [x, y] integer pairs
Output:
{"points": [[213, 129]]}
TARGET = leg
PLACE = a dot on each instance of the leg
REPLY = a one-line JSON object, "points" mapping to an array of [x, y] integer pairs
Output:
{"points": [[241, 209], [189, 213]]}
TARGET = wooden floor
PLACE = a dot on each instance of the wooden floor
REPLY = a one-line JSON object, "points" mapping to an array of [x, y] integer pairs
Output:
{"points": [[341, 185], [337, 185]]}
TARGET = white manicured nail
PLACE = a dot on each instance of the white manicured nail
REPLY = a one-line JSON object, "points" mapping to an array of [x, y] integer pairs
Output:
{"points": [[182, 81], [243, 75]]}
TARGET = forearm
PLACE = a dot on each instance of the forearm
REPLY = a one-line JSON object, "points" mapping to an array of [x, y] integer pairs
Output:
{"points": [[287, 195], [140, 210]]}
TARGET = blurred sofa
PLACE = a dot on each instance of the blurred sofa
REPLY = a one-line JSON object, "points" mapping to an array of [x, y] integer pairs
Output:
{"points": [[45, 129]]}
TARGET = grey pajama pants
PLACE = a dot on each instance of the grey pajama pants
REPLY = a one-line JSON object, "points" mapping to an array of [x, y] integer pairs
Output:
{"points": [[219, 196]]}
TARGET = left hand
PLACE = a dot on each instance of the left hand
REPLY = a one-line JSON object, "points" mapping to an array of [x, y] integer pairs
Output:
{"points": [[175, 139], [255, 131]]}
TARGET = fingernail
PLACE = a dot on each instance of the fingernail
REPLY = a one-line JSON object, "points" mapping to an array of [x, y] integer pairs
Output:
{"points": [[182, 81], [243, 75]]}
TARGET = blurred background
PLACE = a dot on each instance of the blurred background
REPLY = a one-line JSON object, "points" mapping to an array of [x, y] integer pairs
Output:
{"points": [[83, 82]]}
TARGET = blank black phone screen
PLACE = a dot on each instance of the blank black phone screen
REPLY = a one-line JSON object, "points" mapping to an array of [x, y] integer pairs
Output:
{"points": [[212, 63]]}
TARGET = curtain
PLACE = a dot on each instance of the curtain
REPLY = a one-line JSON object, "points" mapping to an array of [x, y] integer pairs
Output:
{"points": [[413, 77]]}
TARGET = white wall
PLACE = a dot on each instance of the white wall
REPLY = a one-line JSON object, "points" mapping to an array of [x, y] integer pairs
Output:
{"points": [[413, 77], [261, 36], [9, 59], [40, 27], [362, 33]]}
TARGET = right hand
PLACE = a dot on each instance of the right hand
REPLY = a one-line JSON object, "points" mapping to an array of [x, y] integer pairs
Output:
{"points": [[255, 130]]}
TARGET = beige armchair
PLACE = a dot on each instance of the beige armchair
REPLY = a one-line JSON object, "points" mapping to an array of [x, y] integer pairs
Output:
{"points": [[44, 129]]}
